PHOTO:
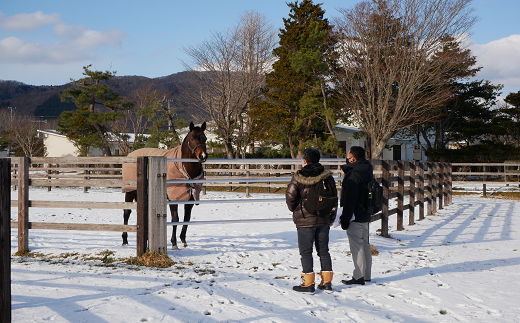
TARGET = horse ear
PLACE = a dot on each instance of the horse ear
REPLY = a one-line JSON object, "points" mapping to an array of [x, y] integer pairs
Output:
{"points": [[191, 126], [203, 127]]}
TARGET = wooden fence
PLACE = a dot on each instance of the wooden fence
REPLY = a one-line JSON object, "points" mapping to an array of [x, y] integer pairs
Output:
{"points": [[42, 172], [427, 185], [491, 173], [5, 241]]}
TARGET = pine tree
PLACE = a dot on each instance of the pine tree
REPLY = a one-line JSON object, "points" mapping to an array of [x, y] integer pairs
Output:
{"points": [[296, 96], [99, 104]]}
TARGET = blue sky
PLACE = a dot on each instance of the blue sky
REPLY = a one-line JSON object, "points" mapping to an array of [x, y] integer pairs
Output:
{"points": [[48, 42]]}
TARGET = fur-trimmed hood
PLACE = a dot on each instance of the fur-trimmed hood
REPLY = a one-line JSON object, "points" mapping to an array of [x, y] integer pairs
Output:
{"points": [[311, 180], [311, 174]]}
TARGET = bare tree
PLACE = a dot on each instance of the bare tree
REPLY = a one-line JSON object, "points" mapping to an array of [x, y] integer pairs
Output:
{"points": [[228, 72], [22, 133], [389, 76]]}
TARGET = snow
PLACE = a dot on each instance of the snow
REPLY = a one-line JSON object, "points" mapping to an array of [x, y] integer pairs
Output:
{"points": [[460, 265]]}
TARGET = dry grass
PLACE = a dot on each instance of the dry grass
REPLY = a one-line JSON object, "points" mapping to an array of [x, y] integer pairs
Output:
{"points": [[151, 259], [373, 250], [506, 195]]}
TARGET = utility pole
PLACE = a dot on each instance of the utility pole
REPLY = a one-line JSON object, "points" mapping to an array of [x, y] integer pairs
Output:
{"points": [[11, 108]]}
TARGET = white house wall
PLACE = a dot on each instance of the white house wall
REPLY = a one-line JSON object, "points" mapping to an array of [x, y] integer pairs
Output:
{"points": [[59, 146]]}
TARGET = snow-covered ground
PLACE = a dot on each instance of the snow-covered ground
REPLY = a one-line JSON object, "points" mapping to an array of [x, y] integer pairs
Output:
{"points": [[460, 265]]}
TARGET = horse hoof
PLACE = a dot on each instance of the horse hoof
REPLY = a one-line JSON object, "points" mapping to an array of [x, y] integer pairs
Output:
{"points": [[184, 244], [125, 243], [174, 247]]}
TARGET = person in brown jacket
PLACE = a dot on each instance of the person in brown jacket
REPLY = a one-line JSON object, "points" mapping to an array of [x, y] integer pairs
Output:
{"points": [[311, 229]]}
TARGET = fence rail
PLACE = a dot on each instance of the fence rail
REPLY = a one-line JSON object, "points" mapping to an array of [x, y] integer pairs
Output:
{"points": [[426, 185]]}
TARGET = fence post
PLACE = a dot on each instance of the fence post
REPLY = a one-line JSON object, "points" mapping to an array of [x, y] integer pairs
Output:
{"points": [[400, 194], [49, 172], [385, 182], [421, 190], [87, 172], [157, 203], [450, 183], [445, 184], [434, 188], [269, 175], [429, 188], [23, 204], [5, 240], [247, 176], [440, 180], [484, 168], [142, 205], [411, 210]]}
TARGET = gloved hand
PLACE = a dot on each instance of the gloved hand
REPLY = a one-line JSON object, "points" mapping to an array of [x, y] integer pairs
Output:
{"points": [[344, 222]]}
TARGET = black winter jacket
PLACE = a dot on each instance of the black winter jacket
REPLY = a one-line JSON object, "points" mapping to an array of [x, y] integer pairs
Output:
{"points": [[298, 191], [354, 189]]}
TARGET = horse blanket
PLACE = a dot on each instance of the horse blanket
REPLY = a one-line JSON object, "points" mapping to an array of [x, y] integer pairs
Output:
{"points": [[175, 170]]}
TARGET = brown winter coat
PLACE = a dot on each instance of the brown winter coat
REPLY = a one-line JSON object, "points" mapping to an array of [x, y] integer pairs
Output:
{"points": [[175, 170], [298, 191]]}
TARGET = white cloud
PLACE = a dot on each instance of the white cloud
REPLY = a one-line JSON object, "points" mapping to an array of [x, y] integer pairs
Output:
{"points": [[28, 21], [84, 38], [14, 50], [78, 44], [500, 61]]}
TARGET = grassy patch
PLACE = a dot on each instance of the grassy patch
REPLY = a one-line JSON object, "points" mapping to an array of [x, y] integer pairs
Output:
{"points": [[151, 259], [373, 250], [506, 195]]}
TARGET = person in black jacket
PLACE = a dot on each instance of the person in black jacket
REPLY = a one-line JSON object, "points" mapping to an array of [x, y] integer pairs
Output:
{"points": [[358, 171], [311, 229]]}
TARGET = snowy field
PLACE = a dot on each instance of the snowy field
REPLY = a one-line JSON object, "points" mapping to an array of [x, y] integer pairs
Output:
{"points": [[461, 265]]}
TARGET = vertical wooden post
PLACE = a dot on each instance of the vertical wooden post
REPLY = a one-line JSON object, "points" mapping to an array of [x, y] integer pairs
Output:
{"points": [[23, 204], [440, 180], [484, 193], [247, 176], [269, 175], [421, 190], [5, 240], [400, 194], [445, 182], [451, 183], [429, 186], [385, 182], [49, 176], [87, 172], [411, 213], [142, 205], [157, 203], [434, 188], [505, 175]]}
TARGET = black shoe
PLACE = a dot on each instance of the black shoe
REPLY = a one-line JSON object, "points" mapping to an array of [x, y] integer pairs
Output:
{"points": [[353, 281], [308, 289], [326, 286], [368, 280]]}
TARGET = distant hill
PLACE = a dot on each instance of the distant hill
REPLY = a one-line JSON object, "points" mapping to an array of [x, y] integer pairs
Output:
{"points": [[44, 101]]}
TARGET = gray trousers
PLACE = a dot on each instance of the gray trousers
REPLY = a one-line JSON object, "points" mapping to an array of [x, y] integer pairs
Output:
{"points": [[358, 239]]}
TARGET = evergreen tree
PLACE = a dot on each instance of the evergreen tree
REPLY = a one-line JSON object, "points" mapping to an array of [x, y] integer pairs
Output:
{"points": [[510, 118], [98, 104], [296, 100]]}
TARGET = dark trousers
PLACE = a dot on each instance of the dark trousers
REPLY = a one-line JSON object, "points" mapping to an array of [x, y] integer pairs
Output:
{"points": [[307, 238]]}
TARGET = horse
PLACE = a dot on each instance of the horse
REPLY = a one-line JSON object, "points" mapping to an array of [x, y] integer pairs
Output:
{"points": [[193, 146]]}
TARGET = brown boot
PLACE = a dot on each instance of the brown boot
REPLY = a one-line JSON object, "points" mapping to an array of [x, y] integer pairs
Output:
{"points": [[307, 285], [326, 280]]}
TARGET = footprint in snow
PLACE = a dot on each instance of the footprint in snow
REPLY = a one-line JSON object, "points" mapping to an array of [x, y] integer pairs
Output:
{"points": [[430, 297]]}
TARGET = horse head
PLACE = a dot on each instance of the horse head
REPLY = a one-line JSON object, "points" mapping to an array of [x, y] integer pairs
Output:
{"points": [[196, 142]]}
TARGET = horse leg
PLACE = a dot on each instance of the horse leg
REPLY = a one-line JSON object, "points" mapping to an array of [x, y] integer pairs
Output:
{"points": [[187, 217], [174, 210], [129, 197]]}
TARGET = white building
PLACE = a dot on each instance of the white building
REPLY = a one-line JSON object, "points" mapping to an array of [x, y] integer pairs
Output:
{"points": [[59, 145], [398, 149]]}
